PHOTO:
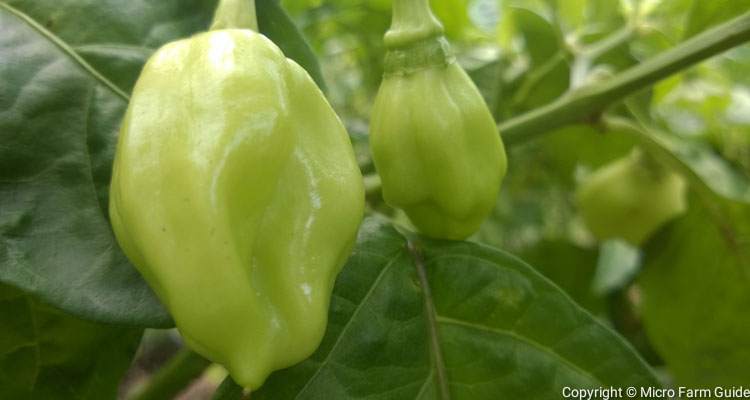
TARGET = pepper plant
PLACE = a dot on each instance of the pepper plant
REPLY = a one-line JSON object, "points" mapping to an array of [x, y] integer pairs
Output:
{"points": [[469, 200]]}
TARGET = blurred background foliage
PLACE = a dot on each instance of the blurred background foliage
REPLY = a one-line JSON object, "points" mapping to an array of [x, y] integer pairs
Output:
{"points": [[524, 54]]}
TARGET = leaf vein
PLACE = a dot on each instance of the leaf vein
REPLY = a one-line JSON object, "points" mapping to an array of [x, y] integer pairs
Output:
{"points": [[57, 41], [349, 323]]}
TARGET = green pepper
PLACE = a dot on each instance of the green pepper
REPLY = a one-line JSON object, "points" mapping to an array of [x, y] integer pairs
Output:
{"points": [[630, 198], [236, 194], [433, 139]]}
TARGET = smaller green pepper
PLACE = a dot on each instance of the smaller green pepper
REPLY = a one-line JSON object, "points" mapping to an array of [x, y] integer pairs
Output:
{"points": [[631, 198], [433, 139]]}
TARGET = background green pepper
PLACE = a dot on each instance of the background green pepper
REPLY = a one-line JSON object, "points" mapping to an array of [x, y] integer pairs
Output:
{"points": [[630, 198], [236, 194], [433, 139]]}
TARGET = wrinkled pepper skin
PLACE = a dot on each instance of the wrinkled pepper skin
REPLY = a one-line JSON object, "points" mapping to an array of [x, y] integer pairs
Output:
{"points": [[437, 150], [236, 194], [630, 198]]}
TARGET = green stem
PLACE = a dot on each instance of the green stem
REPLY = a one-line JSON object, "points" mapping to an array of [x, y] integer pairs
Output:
{"points": [[415, 39], [610, 42], [235, 14], [588, 102], [411, 21], [586, 56], [373, 184], [171, 379], [649, 163]]}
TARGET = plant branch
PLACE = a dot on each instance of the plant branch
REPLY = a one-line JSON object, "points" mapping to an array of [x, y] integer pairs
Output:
{"points": [[588, 102], [613, 41], [181, 369], [586, 56], [373, 184]]}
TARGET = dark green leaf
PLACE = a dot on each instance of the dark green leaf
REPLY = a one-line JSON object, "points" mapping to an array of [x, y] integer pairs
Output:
{"points": [[115, 36], [276, 24], [46, 354], [488, 79], [503, 330], [541, 38], [570, 267], [543, 84], [58, 127], [696, 298]]}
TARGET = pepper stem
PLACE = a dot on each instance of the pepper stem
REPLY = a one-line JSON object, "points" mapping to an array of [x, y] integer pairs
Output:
{"points": [[235, 14], [415, 39], [648, 163], [411, 21]]}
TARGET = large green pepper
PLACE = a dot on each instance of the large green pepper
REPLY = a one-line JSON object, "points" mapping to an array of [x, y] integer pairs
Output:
{"points": [[236, 194], [630, 198], [433, 139]]}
